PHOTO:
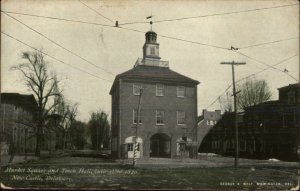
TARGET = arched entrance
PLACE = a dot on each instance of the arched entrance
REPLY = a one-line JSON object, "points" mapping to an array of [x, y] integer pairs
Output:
{"points": [[160, 145]]}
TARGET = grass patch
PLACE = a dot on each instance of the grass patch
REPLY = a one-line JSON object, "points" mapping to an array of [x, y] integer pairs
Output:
{"points": [[115, 176]]}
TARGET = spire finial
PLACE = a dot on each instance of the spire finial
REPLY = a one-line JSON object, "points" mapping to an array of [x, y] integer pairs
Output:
{"points": [[151, 21]]}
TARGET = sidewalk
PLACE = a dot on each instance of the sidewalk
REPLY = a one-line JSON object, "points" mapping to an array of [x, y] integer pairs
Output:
{"points": [[201, 161], [168, 162]]}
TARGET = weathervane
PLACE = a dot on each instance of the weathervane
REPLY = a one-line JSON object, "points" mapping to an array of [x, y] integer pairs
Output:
{"points": [[150, 17]]}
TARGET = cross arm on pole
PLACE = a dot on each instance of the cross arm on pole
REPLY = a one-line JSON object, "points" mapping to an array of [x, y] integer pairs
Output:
{"points": [[234, 63], [234, 93]]}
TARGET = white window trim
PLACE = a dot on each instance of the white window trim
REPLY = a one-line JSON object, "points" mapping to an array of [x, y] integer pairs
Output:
{"points": [[178, 91], [162, 118], [133, 88], [152, 48], [163, 90], [133, 117], [178, 118]]}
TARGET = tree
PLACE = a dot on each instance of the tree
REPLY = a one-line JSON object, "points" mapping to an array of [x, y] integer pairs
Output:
{"points": [[99, 130], [226, 102], [67, 116], [44, 85], [253, 92], [77, 132]]}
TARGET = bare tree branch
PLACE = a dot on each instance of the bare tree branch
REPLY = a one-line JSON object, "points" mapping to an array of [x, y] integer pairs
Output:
{"points": [[253, 92], [36, 75]]}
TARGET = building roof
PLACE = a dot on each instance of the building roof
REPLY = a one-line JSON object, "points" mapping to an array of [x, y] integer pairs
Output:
{"points": [[272, 106], [290, 86], [24, 101], [158, 74]]}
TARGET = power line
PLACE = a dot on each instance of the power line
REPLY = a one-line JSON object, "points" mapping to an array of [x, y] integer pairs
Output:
{"points": [[280, 62], [96, 11], [173, 38], [194, 42], [214, 46], [53, 57], [58, 44], [57, 18], [218, 97], [137, 22], [179, 39], [260, 44], [258, 61], [129, 29], [215, 14]]}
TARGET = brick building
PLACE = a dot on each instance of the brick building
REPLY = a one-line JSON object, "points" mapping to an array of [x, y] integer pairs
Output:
{"points": [[221, 137], [267, 130], [17, 122], [208, 121], [168, 107]]}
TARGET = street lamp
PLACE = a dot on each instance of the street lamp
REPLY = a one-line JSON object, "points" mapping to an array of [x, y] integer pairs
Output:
{"points": [[135, 148]]}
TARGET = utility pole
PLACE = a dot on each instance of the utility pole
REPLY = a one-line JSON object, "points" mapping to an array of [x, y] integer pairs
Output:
{"points": [[136, 129], [236, 158]]}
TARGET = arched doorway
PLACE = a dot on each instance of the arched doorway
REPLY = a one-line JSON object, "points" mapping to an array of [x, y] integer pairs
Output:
{"points": [[160, 145]]}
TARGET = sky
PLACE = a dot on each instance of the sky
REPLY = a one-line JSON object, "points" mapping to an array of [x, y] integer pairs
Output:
{"points": [[194, 47]]}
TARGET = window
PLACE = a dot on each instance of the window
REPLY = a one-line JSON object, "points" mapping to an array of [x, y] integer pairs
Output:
{"points": [[152, 51], [135, 116], [159, 90], [137, 89], [180, 117], [180, 91], [130, 147], [160, 117], [291, 97]]}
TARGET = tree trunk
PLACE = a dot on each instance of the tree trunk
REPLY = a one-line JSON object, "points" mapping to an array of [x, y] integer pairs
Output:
{"points": [[64, 142], [39, 135], [38, 142]]}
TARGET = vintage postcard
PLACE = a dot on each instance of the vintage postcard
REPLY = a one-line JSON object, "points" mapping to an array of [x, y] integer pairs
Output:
{"points": [[136, 95]]}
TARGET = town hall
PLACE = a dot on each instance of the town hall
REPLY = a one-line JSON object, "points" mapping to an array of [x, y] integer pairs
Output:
{"points": [[165, 101]]}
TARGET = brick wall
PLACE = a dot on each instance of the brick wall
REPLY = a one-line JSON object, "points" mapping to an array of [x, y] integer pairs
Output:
{"points": [[170, 103]]}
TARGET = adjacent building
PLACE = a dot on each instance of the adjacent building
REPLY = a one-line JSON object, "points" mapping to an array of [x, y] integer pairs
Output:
{"points": [[168, 114], [221, 138], [208, 120], [17, 123], [18, 127], [267, 130]]}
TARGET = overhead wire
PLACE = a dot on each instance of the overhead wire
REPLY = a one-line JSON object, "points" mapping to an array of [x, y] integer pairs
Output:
{"points": [[59, 19], [129, 29], [96, 11], [210, 15], [261, 62], [54, 58], [265, 43], [178, 39], [215, 46], [57, 44], [280, 62]]}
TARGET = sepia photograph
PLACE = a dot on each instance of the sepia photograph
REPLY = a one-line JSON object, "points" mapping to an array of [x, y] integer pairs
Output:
{"points": [[150, 95]]}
